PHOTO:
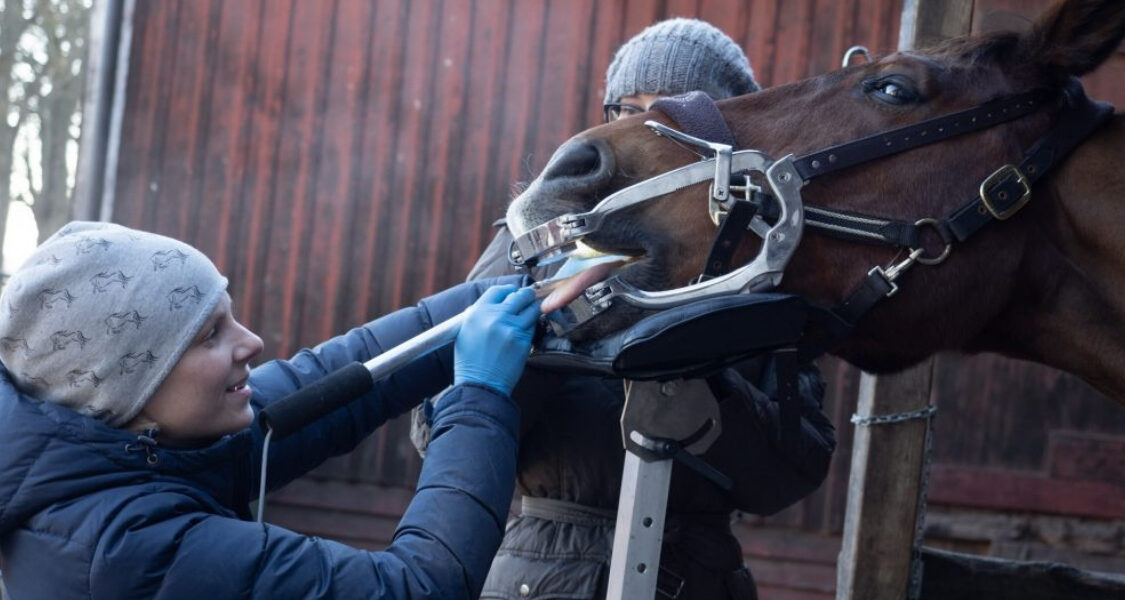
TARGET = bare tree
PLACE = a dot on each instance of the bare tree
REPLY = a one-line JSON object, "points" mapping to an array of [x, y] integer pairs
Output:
{"points": [[54, 102], [13, 25], [42, 48]]}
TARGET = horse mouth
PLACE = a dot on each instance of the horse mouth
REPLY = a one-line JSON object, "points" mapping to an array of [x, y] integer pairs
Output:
{"points": [[633, 264], [585, 268]]}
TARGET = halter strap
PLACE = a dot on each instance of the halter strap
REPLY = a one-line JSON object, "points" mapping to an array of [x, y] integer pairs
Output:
{"points": [[1078, 119], [1001, 195], [897, 141]]}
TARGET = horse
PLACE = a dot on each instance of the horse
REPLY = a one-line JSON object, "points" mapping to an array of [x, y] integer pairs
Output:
{"points": [[1042, 280]]}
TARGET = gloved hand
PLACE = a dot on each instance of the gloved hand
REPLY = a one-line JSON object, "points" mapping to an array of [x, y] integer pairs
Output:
{"points": [[495, 338]]}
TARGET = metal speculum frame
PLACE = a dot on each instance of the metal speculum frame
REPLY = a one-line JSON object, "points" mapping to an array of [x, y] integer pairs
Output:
{"points": [[557, 238]]}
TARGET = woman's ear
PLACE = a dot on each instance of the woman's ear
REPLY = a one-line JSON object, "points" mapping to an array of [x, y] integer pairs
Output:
{"points": [[1073, 37]]}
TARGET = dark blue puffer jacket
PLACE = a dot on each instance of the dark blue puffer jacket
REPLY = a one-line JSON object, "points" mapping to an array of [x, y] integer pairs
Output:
{"points": [[87, 511]]}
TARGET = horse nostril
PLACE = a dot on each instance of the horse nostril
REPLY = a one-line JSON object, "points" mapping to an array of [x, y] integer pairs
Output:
{"points": [[576, 159]]}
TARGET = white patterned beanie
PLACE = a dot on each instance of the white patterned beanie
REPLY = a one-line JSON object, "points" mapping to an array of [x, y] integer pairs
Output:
{"points": [[678, 56], [100, 314]]}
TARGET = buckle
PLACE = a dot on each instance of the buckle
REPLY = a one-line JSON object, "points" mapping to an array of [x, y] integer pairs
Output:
{"points": [[997, 178]]}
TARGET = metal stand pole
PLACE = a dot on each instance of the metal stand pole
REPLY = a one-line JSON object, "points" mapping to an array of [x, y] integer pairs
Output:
{"points": [[640, 526], [655, 418]]}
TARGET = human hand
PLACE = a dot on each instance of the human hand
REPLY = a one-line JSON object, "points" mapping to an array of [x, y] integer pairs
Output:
{"points": [[495, 338]]}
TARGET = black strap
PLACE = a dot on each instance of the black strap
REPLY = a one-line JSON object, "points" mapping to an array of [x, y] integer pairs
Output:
{"points": [[1079, 118], [930, 131], [731, 230], [874, 287], [861, 228], [788, 400]]}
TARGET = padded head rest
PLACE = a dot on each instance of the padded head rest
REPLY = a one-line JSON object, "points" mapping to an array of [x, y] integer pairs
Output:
{"points": [[693, 340]]}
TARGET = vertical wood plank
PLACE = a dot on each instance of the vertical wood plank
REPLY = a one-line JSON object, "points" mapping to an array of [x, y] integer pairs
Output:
{"points": [[290, 201], [523, 47], [266, 105], [477, 205], [879, 521], [141, 139], [231, 40], [887, 470], [180, 146], [444, 232], [761, 41], [383, 76], [411, 143], [825, 45], [337, 164]]}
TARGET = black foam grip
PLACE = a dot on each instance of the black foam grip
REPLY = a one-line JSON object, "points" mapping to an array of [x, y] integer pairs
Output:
{"points": [[316, 400]]}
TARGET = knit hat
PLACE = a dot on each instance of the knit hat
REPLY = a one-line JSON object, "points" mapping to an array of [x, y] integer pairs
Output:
{"points": [[100, 314], [678, 56]]}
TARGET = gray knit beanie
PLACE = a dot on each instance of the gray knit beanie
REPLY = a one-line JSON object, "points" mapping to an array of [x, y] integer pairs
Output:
{"points": [[100, 314], [678, 56]]}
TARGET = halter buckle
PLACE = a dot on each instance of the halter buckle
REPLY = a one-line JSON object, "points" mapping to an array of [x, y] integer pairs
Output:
{"points": [[998, 182]]}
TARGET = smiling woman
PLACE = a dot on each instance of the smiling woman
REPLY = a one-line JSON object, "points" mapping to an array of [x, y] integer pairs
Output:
{"points": [[126, 409]]}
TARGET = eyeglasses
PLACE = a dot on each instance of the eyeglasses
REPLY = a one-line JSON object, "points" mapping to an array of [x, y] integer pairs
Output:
{"points": [[617, 110]]}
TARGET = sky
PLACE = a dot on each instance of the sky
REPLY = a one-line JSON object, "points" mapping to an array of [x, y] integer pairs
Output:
{"points": [[21, 236]]}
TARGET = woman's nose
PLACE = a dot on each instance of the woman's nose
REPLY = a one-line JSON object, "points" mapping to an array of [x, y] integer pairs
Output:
{"points": [[249, 346]]}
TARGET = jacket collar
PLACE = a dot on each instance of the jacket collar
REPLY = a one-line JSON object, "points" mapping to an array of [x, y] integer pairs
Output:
{"points": [[52, 454]]}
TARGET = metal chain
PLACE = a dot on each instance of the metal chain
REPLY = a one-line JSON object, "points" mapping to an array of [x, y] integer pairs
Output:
{"points": [[922, 413]]}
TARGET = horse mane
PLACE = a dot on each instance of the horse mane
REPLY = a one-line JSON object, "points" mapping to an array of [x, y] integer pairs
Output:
{"points": [[1001, 46]]}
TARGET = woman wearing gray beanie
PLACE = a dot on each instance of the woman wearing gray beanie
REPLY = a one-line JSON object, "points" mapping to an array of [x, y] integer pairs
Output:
{"points": [[675, 57], [129, 457], [570, 460]]}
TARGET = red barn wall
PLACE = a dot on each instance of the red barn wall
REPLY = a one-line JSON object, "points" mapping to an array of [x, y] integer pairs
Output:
{"points": [[342, 158]]}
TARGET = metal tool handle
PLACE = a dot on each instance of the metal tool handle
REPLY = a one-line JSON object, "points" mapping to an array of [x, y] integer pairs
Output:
{"points": [[344, 385], [340, 387], [439, 335]]}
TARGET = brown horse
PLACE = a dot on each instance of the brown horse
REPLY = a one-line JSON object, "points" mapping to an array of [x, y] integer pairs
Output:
{"points": [[1047, 285]]}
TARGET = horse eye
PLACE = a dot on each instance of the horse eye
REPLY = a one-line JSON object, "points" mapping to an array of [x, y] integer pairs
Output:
{"points": [[892, 90]]}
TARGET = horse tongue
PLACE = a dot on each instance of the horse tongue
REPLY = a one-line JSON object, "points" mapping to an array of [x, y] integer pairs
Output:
{"points": [[575, 276]]}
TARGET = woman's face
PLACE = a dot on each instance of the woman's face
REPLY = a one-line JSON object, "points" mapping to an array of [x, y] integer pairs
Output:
{"points": [[206, 395]]}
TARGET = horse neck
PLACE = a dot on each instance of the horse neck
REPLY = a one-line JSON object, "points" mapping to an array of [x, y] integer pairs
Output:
{"points": [[1068, 310]]}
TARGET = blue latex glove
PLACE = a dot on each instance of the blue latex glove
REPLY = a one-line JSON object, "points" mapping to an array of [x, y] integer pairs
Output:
{"points": [[495, 338]]}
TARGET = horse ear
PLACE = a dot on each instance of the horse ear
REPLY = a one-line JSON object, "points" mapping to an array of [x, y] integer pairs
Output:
{"points": [[1073, 37]]}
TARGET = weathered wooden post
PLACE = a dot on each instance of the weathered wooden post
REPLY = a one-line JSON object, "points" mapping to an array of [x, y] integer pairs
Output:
{"points": [[882, 524]]}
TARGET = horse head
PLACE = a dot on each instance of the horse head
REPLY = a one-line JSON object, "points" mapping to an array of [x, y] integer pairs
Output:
{"points": [[998, 290]]}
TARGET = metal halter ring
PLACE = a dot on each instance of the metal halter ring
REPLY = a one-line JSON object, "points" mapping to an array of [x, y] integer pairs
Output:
{"points": [[855, 51], [926, 260]]}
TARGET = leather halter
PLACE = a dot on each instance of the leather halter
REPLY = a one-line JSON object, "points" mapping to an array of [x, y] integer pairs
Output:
{"points": [[1000, 196]]}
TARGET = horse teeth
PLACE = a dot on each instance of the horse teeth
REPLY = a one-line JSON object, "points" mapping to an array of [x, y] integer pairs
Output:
{"points": [[581, 250]]}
